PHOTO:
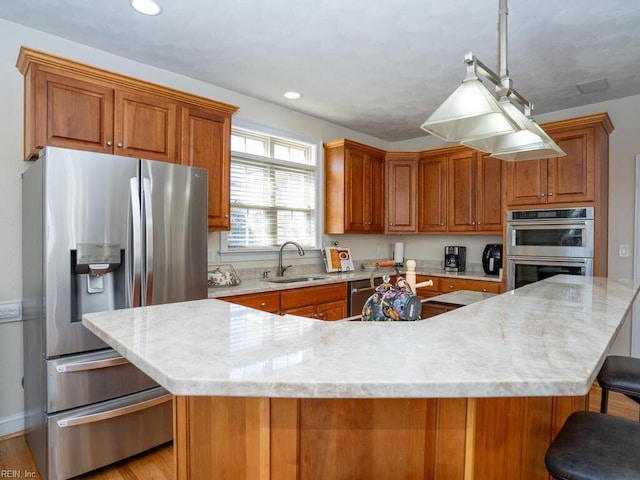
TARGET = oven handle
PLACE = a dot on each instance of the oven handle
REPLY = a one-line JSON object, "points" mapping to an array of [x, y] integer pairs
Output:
{"points": [[576, 262], [547, 226]]}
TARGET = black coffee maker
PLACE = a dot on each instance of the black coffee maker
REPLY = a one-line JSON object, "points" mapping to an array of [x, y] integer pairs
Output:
{"points": [[455, 258], [492, 258]]}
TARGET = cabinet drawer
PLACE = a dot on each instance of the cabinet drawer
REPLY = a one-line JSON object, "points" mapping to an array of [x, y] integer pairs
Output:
{"points": [[106, 432], [301, 297], [94, 377], [453, 284], [267, 302]]}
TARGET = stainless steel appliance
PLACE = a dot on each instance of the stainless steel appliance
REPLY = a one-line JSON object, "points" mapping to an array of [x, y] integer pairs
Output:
{"points": [[359, 293], [455, 258], [101, 232], [492, 258], [543, 243]]}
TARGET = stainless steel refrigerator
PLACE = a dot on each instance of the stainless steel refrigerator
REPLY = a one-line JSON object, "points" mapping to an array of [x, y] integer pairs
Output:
{"points": [[101, 232]]}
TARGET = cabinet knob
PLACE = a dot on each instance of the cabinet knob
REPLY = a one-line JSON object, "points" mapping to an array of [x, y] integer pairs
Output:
{"points": [[442, 224], [119, 144], [226, 215], [450, 286], [551, 194], [473, 223], [320, 315], [263, 304], [484, 289], [391, 224], [109, 143], [542, 194]]}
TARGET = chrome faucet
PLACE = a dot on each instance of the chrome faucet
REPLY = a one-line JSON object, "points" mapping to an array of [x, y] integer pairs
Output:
{"points": [[282, 269]]}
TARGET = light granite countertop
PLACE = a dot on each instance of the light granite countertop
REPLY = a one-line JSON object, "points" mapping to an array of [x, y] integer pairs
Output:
{"points": [[545, 339], [258, 285]]}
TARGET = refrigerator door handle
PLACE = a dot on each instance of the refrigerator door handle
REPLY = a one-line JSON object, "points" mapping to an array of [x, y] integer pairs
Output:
{"points": [[135, 254], [118, 412], [148, 222]]}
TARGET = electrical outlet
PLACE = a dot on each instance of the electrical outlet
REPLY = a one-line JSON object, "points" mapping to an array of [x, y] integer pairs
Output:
{"points": [[623, 251], [10, 311]]}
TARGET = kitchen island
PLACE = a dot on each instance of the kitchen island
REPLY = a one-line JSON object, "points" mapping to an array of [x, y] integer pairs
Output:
{"points": [[475, 393]]}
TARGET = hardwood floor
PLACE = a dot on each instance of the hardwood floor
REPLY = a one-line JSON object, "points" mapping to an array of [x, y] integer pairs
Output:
{"points": [[157, 464]]}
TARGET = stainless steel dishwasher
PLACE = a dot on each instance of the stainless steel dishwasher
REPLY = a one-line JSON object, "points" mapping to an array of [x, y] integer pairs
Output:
{"points": [[359, 293]]}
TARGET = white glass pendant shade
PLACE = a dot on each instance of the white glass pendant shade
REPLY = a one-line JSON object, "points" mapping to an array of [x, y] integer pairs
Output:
{"points": [[471, 112], [530, 142]]}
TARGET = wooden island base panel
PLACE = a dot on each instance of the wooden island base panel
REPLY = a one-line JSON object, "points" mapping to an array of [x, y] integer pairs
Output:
{"points": [[383, 439]]}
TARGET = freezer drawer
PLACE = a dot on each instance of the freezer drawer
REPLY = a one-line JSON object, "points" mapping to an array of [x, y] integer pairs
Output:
{"points": [[92, 437], [88, 378]]}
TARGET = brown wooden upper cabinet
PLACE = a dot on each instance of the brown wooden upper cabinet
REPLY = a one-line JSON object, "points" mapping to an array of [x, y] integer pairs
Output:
{"points": [[432, 192], [354, 188], [402, 193], [72, 105], [475, 193], [577, 178], [452, 189]]}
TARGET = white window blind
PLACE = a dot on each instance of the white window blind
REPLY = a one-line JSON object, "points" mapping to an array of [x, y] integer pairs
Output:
{"points": [[273, 192]]}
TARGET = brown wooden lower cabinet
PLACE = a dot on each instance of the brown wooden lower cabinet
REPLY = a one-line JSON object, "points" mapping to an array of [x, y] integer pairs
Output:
{"points": [[448, 285], [267, 302], [323, 302], [330, 439]]}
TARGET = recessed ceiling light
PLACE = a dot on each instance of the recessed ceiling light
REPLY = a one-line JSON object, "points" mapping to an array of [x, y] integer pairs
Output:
{"points": [[146, 7], [292, 95]]}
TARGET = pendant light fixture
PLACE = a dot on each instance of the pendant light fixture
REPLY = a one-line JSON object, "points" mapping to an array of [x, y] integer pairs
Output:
{"points": [[472, 116]]}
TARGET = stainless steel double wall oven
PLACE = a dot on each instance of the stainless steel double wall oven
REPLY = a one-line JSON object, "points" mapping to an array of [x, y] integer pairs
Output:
{"points": [[543, 243]]}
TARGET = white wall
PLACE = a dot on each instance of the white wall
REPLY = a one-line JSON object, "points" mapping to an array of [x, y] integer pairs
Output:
{"points": [[625, 143]]}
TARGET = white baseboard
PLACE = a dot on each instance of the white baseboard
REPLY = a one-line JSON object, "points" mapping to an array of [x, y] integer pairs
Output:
{"points": [[12, 424]]}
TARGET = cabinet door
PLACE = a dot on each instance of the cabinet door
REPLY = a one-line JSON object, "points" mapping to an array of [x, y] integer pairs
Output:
{"points": [[70, 113], [308, 311], [332, 310], [489, 212], [432, 194], [401, 195], [365, 191], [357, 207], [571, 178], [145, 126], [205, 142], [430, 309], [527, 182], [461, 178], [374, 191]]}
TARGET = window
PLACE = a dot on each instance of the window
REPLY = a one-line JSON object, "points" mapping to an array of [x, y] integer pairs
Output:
{"points": [[273, 192]]}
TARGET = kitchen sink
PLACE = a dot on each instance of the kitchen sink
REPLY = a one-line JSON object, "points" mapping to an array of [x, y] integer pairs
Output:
{"points": [[293, 279]]}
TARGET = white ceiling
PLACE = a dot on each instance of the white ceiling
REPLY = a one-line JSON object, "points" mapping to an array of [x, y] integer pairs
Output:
{"points": [[377, 66]]}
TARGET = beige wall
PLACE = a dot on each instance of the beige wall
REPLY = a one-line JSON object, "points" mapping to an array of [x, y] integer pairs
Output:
{"points": [[625, 143]]}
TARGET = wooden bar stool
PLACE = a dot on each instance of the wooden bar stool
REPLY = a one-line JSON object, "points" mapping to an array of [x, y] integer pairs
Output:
{"points": [[622, 375], [592, 446]]}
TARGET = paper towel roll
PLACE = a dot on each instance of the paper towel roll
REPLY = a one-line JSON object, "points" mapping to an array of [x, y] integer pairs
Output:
{"points": [[398, 252]]}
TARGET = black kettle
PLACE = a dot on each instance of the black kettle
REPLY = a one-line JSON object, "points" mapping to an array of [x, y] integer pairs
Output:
{"points": [[492, 258]]}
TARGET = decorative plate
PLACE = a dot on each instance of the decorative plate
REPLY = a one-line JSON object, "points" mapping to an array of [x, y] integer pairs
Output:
{"points": [[222, 276]]}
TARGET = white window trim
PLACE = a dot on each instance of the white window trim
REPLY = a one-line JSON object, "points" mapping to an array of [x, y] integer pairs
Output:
{"points": [[272, 253]]}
